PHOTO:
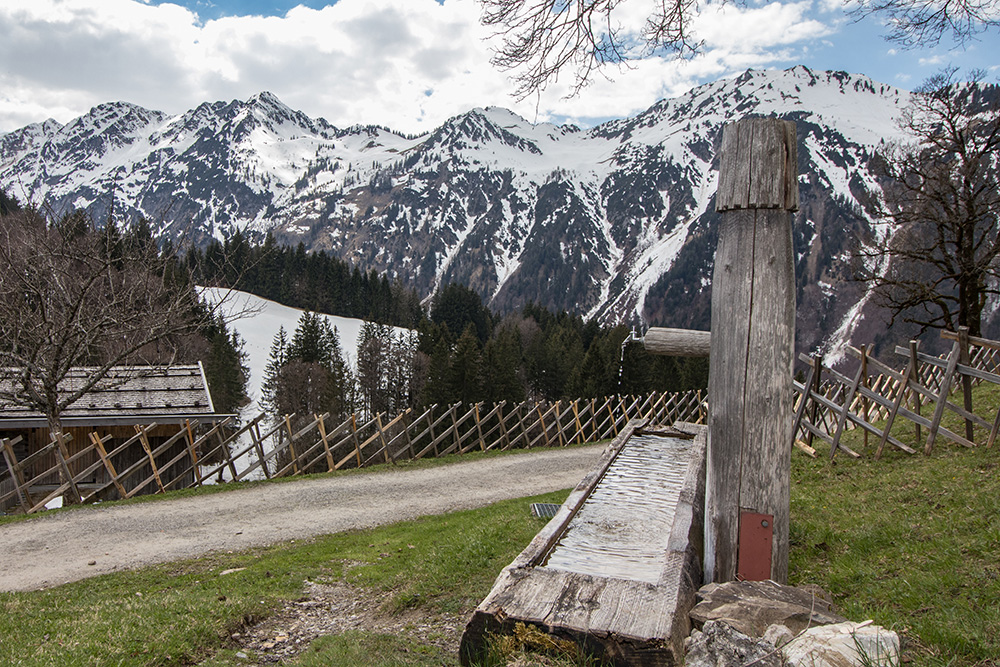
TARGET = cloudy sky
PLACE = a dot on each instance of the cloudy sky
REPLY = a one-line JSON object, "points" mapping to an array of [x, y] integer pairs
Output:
{"points": [[406, 64]]}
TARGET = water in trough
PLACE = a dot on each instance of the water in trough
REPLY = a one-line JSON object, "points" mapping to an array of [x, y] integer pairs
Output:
{"points": [[623, 528]]}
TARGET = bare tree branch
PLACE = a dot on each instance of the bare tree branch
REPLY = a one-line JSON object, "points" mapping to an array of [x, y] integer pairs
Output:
{"points": [[916, 23], [543, 37]]}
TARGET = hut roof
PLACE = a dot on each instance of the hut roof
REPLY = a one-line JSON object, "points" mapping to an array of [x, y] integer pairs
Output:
{"points": [[127, 395]]}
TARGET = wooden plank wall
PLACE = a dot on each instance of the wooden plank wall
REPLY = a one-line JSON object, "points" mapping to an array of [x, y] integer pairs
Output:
{"points": [[90, 466]]}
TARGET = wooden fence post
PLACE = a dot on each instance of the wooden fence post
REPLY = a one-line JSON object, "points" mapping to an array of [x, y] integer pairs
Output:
{"points": [[965, 359], [354, 436], [16, 475], [62, 456], [108, 464], [865, 407], [753, 324], [291, 445], [144, 440], [915, 377], [381, 437]]}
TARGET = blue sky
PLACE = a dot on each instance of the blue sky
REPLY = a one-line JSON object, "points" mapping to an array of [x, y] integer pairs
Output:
{"points": [[406, 64]]}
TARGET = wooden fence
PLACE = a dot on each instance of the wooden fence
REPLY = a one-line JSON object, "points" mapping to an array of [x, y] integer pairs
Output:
{"points": [[829, 402], [259, 449]]}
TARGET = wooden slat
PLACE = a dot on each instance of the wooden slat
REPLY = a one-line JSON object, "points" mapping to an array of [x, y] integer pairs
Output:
{"points": [[17, 474], [106, 460]]}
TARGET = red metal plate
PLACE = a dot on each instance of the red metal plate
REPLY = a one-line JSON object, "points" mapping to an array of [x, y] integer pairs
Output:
{"points": [[753, 560]]}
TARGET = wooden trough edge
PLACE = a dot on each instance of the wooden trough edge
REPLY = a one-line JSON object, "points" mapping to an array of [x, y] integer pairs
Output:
{"points": [[623, 622]]}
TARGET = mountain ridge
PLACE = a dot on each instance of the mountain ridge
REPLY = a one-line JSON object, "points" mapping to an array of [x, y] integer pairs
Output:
{"points": [[615, 222]]}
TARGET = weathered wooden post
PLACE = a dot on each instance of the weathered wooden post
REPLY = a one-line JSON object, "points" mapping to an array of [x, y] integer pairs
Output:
{"points": [[752, 342]]}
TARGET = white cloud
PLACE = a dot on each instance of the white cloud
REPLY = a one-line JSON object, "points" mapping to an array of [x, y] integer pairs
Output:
{"points": [[407, 64]]}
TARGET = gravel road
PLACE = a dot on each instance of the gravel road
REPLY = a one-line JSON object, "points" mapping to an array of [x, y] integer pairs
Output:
{"points": [[56, 549]]}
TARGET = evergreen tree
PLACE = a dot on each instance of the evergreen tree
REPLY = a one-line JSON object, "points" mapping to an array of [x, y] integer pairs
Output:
{"points": [[308, 375], [501, 365], [225, 368], [437, 389], [276, 360], [464, 369], [8, 203], [456, 306]]}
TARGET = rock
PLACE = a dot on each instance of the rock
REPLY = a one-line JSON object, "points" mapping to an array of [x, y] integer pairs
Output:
{"points": [[752, 606], [778, 635], [844, 645], [720, 645]]}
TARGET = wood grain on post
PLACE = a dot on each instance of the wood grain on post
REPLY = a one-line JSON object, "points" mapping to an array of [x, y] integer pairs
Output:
{"points": [[753, 324]]}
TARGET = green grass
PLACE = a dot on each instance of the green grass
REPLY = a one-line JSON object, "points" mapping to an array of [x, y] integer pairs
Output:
{"points": [[910, 541], [185, 612]]}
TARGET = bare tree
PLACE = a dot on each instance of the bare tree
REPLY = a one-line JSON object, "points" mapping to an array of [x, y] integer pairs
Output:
{"points": [[76, 298], [915, 23], [938, 260], [542, 38]]}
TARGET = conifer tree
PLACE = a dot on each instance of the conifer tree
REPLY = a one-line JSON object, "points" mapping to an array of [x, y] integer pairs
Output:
{"points": [[464, 370]]}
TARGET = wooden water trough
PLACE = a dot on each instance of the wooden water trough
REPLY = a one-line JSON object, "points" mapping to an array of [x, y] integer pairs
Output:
{"points": [[616, 569]]}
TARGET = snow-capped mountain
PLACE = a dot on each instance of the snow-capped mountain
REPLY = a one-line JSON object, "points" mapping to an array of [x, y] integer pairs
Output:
{"points": [[617, 221]]}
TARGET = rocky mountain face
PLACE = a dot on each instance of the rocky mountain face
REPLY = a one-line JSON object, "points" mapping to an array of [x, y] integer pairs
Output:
{"points": [[615, 222]]}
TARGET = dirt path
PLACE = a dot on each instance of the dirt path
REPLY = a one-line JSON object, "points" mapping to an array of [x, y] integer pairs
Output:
{"points": [[59, 548]]}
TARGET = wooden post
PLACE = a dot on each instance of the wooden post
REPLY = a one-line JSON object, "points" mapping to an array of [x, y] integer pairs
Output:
{"points": [[106, 460], [865, 406], [965, 359], [479, 429], [259, 448], [326, 443], [144, 440], [291, 445], [62, 456], [578, 436], [409, 439], [192, 452], [753, 335], [942, 399], [381, 437], [16, 475], [914, 395], [504, 437], [354, 435]]}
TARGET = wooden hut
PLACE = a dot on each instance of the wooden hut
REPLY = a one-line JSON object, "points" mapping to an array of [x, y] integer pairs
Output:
{"points": [[159, 400]]}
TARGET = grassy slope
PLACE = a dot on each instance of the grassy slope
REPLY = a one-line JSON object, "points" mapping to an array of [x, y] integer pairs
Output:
{"points": [[910, 541], [181, 613]]}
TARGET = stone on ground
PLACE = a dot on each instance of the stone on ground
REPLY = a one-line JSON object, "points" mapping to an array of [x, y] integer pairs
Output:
{"points": [[720, 645], [844, 645], [752, 606]]}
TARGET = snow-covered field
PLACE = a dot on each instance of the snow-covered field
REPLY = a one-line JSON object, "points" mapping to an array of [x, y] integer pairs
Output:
{"points": [[259, 323]]}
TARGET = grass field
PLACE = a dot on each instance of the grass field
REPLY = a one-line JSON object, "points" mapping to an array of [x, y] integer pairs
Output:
{"points": [[912, 542]]}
